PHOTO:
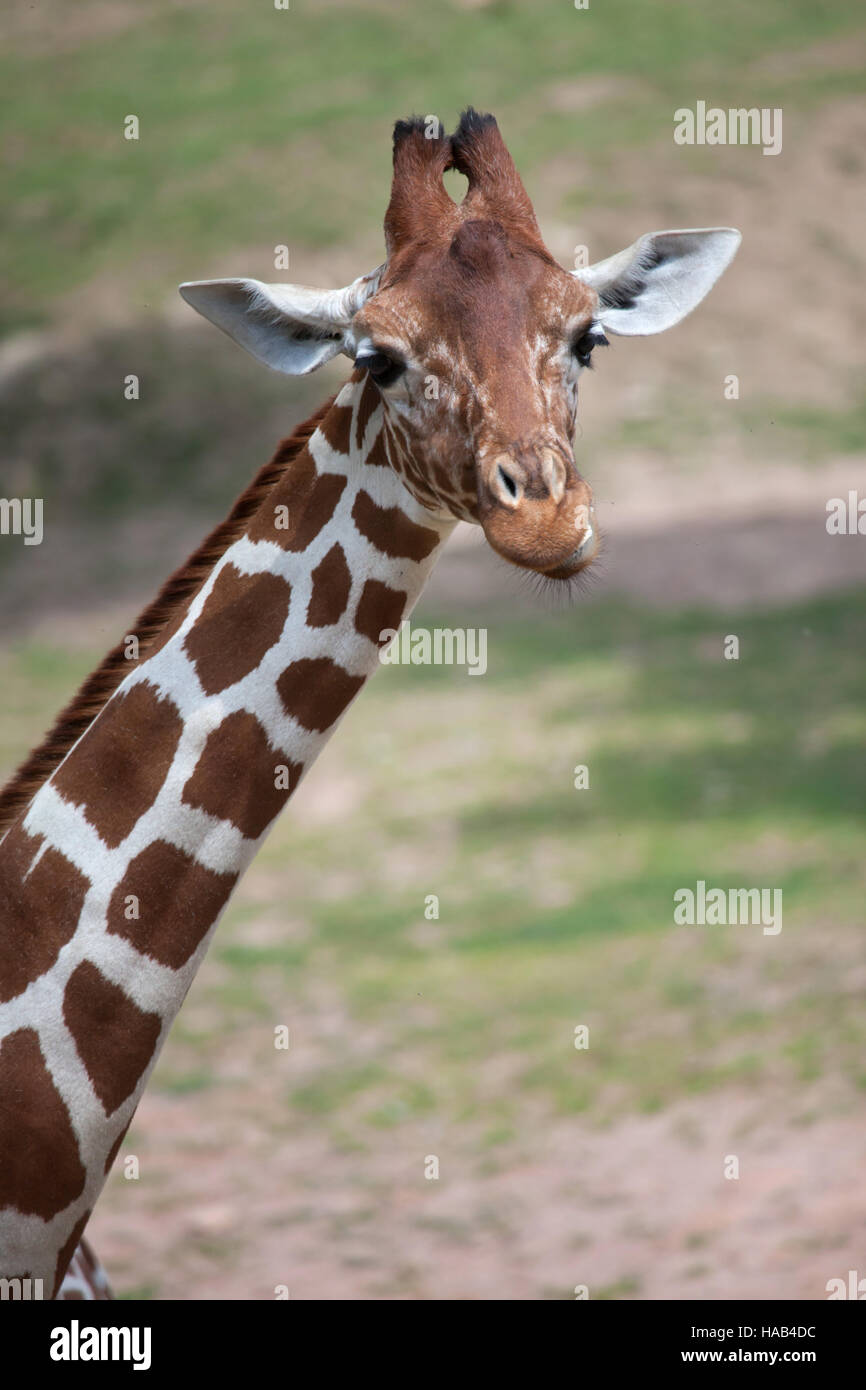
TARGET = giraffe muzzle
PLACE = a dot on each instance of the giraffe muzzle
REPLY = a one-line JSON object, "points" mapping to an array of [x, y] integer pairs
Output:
{"points": [[537, 513], [583, 554]]}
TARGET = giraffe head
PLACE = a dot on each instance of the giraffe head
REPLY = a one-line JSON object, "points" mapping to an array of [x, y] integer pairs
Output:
{"points": [[474, 338]]}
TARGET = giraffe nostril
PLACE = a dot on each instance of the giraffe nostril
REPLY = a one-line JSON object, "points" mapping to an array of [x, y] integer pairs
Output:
{"points": [[508, 487], [553, 472], [509, 482]]}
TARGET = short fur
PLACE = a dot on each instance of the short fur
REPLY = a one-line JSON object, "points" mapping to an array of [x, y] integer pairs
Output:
{"points": [[175, 592]]}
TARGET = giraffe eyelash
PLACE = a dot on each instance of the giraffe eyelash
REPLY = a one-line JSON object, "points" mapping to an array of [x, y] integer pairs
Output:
{"points": [[582, 347]]}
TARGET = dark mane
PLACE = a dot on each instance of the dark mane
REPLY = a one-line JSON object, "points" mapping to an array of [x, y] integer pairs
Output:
{"points": [[176, 591]]}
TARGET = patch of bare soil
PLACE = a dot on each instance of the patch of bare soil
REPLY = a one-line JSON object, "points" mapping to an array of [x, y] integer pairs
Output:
{"points": [[642, 1209]]}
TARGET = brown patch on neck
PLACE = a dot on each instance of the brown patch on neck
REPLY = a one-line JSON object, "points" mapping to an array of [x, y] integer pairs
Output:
{"points": [[337, 428], [391, 531], [315, 691], [242, 618], [51, 894], [177, 901], [239, 778], [108, 777], [303, 497], [380, 609], [150, 625], [40, 1165], [115, 1039], [332, 584]]}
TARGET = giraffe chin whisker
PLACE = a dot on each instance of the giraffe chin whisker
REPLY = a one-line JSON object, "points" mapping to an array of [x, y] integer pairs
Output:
{"points": [[579, 560]]}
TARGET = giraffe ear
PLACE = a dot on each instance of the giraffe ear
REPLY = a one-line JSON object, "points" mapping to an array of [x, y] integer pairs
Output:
{"points": [[288, 327], [661, 278]]}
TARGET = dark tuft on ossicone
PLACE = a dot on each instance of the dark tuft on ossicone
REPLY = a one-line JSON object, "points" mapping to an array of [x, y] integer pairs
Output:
{"points": [[416, 125], [472, 122]]}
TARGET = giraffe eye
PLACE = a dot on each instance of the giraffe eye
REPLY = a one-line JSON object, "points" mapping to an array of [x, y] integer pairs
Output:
{"points": [[583, 346], [383, 368]]}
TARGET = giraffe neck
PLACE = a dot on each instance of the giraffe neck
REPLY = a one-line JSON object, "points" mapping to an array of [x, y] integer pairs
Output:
{"points": [[112, 881]]}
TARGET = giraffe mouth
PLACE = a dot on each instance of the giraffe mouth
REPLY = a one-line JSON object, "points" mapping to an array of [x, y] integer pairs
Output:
{"points": [[582, 556]]}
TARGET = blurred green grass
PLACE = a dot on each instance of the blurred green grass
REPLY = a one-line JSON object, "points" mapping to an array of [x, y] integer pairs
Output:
{"points": [[250, 119], [769, 429], [555, 905]]}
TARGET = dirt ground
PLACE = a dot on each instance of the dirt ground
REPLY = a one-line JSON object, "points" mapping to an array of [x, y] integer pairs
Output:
{"points": [[639, 1210]]}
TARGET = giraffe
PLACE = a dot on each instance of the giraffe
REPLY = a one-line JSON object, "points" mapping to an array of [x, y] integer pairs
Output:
{"points": [[127, 830]]}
